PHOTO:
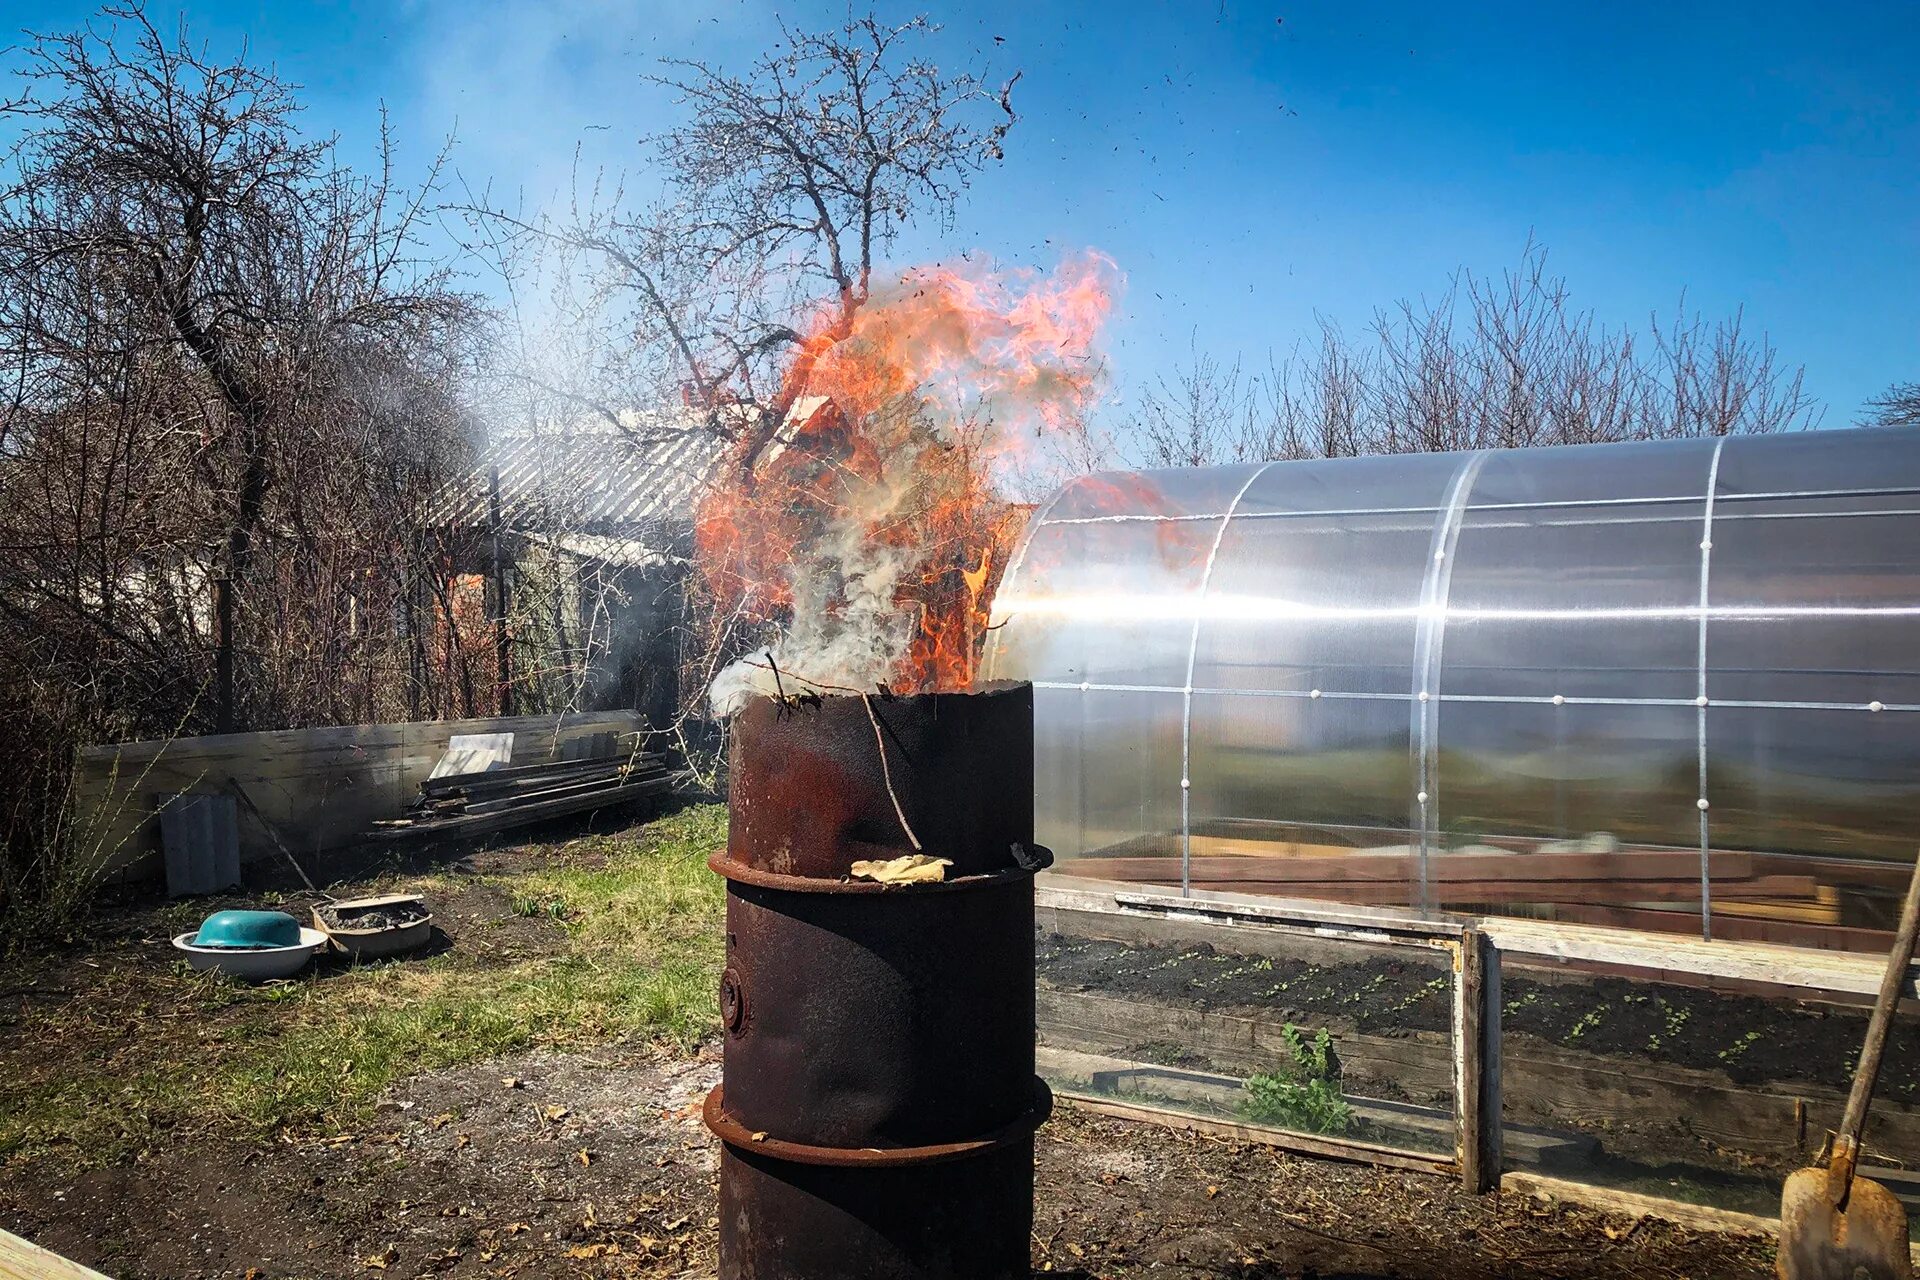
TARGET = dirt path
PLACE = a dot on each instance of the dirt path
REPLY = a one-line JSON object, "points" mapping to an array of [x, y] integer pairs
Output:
{"points": [[551, 1165]]}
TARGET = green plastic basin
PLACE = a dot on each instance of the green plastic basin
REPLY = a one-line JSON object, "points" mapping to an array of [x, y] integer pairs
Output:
{"points": [[248, 930]]}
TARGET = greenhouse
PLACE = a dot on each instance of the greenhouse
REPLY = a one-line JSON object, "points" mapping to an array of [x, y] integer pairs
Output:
{"points": [[1670, 686], [1533, 815]]}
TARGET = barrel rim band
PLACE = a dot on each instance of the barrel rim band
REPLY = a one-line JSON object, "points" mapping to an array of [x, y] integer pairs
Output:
{"points": [[742, 873], [735, 1134]]}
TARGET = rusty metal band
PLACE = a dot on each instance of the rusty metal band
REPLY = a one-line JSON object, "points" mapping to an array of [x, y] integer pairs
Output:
{"points": [[731, 1131], [741, 873]]}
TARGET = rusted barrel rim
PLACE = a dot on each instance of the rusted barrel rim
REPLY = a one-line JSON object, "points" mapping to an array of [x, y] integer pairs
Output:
{"points": [[740, 872], [732, 1132]]}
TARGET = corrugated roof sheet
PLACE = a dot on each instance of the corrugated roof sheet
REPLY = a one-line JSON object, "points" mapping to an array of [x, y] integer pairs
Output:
{"points": [[593, 478]]}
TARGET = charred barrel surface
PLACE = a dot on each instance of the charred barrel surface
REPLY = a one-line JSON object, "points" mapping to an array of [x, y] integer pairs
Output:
{"points": [[810, 796], [878, 1099]]}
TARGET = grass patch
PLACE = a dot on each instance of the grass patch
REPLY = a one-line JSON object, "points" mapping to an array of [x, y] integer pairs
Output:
{"points": [[154, 1052]]}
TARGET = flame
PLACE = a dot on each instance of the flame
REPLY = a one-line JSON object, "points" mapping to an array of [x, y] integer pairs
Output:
{"points": [[872, 528]]}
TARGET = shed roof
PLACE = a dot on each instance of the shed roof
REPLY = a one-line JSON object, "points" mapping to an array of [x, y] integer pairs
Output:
{"points": [[643, 478]]}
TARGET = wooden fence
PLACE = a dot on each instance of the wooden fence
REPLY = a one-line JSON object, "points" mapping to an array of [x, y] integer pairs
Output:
{"points": [[320, 788]]}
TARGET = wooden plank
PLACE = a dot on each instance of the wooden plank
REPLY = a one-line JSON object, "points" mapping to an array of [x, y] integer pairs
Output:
{"points": [[1730, 927], [462, 827], [1632, 1204], [1360, 867], [24, 1260], [1685, 889], [1699, 1217], [1283, 1139], [1656, 954], [1476, 1061], [1767, 963]]}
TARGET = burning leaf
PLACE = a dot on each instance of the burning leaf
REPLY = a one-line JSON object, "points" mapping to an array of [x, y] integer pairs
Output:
{"points": [[913, 868]]}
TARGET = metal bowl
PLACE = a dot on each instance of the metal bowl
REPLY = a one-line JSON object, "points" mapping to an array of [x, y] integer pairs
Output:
{"points": [[371, 943], [257, 964]]}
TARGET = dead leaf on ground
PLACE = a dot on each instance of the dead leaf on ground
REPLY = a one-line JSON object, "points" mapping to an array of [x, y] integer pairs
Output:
{"points": [[382, 1260], [553, 1112], [584, 1159]]}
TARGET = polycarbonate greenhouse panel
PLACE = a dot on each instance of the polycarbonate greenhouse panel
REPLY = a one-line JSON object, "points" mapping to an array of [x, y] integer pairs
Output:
{"points": [[1667, 684]]}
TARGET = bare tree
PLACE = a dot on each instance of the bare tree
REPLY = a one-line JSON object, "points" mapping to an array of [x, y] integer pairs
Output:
{"points": [[176, 187], [1492, 363], [786, 185], [1897, 406], [1203, 413], [229, 396]]}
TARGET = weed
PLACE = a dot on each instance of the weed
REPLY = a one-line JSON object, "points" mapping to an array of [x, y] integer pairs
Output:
{"points": [[1588, 1021], [1739, 1046], [1305, 1093]]}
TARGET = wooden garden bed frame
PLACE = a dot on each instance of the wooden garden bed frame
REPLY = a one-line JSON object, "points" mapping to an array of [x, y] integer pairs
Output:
{"points": [[1477, 948]]}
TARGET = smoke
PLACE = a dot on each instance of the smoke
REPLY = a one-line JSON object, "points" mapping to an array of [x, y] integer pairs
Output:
{"points": [[876, 528]]}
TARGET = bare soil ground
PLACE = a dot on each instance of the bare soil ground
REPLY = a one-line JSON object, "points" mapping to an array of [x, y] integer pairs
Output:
{"points": [[562, 1165], [583, 1155]]}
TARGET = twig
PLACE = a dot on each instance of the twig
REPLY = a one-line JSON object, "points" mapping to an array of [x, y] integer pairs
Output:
{"points": [[777, 686], [886, 773], [808, 680], [273, 834]]}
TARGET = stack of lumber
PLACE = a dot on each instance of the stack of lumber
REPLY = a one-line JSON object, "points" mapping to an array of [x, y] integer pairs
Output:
{"points": [[495, 799]]}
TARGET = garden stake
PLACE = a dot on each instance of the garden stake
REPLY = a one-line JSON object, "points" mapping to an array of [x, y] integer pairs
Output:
{"points": [[1833, 1225]]}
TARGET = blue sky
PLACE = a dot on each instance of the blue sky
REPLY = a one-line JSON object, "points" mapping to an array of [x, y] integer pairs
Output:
{"points": [[1250, 167]]}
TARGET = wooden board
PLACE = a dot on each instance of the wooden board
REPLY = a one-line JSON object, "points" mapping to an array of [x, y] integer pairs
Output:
{"points": [[1283, 1139], [1667, 956], [25, 1260]]}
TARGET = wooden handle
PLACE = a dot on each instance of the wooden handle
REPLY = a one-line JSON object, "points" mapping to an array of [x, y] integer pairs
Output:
{"points": [[1847, 1143]]}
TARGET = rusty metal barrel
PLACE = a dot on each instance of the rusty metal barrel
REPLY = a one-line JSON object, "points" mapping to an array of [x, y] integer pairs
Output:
{"points": [[878, 1100]]}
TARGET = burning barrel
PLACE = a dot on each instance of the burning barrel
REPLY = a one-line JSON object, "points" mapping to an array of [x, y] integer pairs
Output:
{"points": [[877, 1100]]}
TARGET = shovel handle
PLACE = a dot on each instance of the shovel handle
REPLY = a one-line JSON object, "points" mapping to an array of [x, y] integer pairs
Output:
{"points": [[1847, 1143]]}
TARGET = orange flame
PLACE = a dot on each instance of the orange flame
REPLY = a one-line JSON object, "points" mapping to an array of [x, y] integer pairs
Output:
{"points": [[877, 507]]}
